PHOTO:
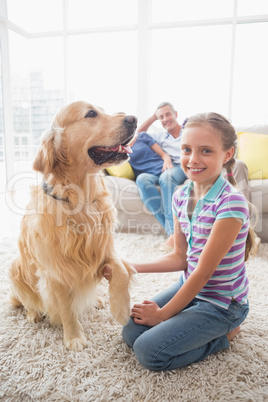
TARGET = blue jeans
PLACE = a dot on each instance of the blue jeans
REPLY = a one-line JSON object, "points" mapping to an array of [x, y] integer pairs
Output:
{"points": [[190, 336], [160, 204]]}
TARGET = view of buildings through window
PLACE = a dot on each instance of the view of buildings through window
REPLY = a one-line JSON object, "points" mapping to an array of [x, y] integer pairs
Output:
{"points": [[33, 109], [189, 59], [2, 129]]}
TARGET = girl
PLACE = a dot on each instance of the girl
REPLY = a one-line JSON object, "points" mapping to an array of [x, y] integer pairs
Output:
{"points": [[203, 311]]}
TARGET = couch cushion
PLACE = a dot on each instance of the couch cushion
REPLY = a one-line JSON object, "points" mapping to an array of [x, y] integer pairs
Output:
{"points": [[133, 216], [125, 170], [125, 195], [257, 128], [259, 195], [253, 150]]}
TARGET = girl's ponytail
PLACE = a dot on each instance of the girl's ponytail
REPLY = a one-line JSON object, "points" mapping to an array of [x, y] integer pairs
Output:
{"points": [[229, 169], [251, 246]]}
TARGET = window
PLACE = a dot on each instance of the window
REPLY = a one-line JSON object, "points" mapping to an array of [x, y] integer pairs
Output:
{"points": [[37, 91], [201, 56], [2, 153], [194, 77], [249, 7], [250, 75], [181, 10], [84, 14], [106, 75], [36, 16]]}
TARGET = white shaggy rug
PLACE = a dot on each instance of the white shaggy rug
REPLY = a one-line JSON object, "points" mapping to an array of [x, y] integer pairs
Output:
{"points": [[35, 366]]}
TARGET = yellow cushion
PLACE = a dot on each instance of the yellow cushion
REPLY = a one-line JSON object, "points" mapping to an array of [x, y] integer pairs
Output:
{"points": [[253, 150], [125, 170]]}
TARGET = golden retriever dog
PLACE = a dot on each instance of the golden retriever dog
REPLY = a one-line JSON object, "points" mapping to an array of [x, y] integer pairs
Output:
{"points": [[66, 242]]}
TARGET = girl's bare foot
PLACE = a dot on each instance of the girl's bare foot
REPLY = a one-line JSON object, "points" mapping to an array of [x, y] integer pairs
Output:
{"points": [[233, 333]]}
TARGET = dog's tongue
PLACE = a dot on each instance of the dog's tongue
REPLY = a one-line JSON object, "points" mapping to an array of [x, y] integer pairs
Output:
{"points": [[122, 149]]}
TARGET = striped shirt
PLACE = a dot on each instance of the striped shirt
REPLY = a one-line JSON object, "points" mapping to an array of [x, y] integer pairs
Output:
{"points": [[222, 201]]}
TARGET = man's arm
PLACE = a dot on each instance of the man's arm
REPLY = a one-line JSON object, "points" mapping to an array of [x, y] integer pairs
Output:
{"points": [[144, 126], [166, 158]]}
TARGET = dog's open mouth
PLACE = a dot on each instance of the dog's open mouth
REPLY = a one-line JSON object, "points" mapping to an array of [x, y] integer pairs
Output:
{"points": [[101, 155]]}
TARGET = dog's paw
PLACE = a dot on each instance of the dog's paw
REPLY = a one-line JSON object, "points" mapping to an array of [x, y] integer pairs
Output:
{"points": [[76, 344], [33, 316]]}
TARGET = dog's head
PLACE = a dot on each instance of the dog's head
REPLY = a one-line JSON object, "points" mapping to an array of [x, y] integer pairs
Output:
{"points": [[82, 136]]}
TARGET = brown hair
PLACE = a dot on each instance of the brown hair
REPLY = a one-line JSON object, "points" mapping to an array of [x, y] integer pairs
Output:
{"points": [[229, 140]]}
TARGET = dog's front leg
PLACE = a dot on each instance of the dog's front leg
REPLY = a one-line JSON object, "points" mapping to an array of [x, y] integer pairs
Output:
{"points": [[119, 274], [74, 338]]}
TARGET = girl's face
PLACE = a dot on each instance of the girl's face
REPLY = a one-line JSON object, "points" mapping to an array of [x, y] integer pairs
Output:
{"points": [[202, 154]]}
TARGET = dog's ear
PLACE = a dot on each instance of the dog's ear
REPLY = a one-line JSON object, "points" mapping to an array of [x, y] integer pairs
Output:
{"points": [[46, 157]]}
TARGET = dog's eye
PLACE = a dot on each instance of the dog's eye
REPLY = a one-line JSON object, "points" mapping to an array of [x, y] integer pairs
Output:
{"points": [[91, 114]]}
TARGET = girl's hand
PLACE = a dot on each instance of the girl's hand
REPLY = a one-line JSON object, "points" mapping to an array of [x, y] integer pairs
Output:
{"points": [[147, 313]]}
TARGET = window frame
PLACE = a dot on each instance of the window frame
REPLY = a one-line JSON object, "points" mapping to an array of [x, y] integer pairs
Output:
{"points": [[143, 28]]}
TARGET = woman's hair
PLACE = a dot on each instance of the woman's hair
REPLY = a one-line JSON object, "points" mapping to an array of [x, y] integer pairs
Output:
{"points": [[229, 140]]}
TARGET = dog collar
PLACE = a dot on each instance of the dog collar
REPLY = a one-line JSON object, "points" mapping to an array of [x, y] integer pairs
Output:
{"points": [[48, 190]]}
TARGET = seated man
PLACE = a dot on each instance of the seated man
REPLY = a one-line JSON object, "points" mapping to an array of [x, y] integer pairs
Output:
{"points": [[167, 146], [147, 156]]}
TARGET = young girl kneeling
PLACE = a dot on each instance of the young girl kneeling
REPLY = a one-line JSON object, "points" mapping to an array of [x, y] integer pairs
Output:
{"points": [[202, 312]]}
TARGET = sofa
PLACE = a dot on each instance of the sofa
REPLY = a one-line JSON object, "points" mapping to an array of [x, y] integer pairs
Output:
{"points": [[250, 171]]}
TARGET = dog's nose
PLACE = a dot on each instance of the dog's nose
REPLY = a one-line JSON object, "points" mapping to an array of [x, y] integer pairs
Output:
{"points": [[131, 120]]}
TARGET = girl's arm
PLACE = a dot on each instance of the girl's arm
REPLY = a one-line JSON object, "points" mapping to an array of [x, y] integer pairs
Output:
{"points": [[220, 241], [175, 261], [166, 158]]}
